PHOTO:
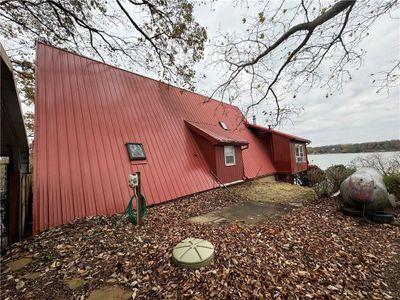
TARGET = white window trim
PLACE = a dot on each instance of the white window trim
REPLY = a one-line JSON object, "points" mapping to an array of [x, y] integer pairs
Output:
{"points": [[300, 153], [225, 155]]}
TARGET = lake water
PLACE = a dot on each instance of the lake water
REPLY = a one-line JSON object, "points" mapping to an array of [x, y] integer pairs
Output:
{"points": [[324, 161]]}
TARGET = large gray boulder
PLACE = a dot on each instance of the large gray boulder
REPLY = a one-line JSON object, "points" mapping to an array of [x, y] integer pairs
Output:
{"points": [[365, 187]]}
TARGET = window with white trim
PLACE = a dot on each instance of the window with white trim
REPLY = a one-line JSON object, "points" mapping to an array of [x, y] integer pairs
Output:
{"points": [[300, 155], [229, 154]]}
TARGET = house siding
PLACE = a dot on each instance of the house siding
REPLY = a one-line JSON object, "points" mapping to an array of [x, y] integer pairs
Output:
{"points": [[207, 151], [282, 157], [295, 166], [229, 173]]}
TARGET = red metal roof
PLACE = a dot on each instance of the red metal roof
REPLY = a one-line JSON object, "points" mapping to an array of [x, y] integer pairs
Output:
{"points": [[85, 113], [273, 131], [216, 134]]}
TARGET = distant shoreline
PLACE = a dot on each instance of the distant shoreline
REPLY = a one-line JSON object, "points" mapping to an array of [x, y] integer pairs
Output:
{"points": [[370, 147], [397, 150]]}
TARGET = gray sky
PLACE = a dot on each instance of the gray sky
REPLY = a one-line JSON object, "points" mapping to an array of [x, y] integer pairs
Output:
{"points": [[357, 114]]}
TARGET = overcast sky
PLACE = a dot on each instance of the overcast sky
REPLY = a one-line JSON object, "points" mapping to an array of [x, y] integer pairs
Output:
{"points": [[357, 114]]}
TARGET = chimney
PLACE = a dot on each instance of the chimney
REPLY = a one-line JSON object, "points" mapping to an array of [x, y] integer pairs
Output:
{"points": [[269, 126], [254, 120]]}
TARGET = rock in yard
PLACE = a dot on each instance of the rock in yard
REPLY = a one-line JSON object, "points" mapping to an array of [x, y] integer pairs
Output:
{"points": [[19, 264], [74, 283], [20, 285], [32, 276], [110, 293]]}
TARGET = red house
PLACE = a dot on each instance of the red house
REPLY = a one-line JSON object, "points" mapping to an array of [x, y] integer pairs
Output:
{"points": [[96, 124], [289, 152]]}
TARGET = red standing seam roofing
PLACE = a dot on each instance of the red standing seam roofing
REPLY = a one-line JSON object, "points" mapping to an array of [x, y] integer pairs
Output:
{"points": [[216, 134], [286, 135], [86, 112]]}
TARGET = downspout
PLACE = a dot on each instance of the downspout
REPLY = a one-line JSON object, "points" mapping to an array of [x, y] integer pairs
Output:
{"points": [[305, 146], [273, 155], [244, 177], [272, 149]]}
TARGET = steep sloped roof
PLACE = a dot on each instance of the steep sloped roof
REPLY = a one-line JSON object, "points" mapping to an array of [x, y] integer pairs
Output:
{"points": [[85, 113], [216, 134], [284, 134]]}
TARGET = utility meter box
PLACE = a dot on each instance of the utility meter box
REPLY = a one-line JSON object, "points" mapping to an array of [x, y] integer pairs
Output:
{"points": [[133, 180]]}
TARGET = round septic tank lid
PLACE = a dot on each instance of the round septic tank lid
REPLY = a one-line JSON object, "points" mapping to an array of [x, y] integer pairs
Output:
{"points": [[193, 253]]}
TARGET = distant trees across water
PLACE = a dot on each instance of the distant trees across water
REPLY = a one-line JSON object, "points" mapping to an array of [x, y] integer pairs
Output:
{"points": [[384, 146]]}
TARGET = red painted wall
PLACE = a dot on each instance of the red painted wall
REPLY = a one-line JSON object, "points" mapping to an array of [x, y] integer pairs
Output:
{"points": [[207, 151], [214, 156], [297, 167], [282, 157], [229, 173], [269, 145]]}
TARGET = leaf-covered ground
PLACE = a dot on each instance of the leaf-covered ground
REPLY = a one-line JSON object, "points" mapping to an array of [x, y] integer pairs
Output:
{"points": [[310, 252]]}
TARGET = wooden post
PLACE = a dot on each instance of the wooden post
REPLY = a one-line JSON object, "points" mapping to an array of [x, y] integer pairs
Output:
{"points": [[138, 203]]}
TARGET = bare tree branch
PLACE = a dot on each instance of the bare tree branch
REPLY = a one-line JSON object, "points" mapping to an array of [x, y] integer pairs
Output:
{"points": [[319, 46]]}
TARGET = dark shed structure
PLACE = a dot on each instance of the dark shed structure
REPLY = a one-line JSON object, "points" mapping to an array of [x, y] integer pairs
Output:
{"points": [[14, 163]]}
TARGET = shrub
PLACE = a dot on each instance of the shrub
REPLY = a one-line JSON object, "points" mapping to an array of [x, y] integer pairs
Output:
{"points": [[335, 175], [310, 177], [315, 178], [392, 183], [322, 189], [315, 175], [325, 183]]}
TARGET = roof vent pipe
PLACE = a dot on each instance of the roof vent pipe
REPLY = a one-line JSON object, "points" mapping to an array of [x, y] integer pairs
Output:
{"points": [[254, 120]]}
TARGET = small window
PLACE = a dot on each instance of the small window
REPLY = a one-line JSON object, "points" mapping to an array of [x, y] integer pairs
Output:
{"points": [[223, 125], [135, 151], [229, 154], [300, 157]]}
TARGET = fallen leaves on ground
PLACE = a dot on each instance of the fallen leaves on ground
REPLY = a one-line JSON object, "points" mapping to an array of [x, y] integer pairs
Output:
{"points": [[310, 252]]}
